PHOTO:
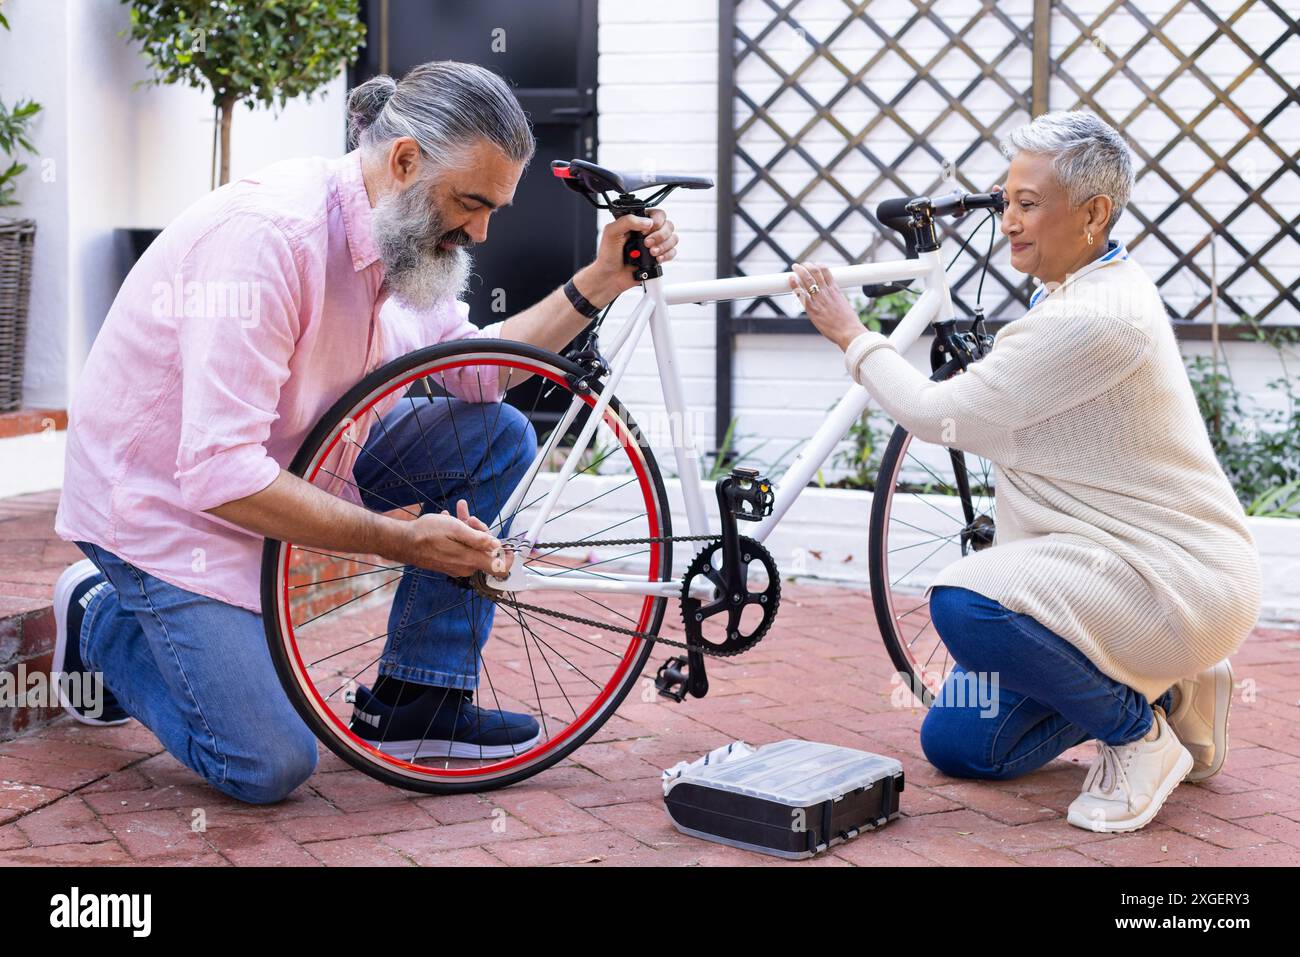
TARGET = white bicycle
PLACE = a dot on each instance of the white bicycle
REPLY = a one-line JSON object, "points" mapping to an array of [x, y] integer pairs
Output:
{"points": [[566, 636]]}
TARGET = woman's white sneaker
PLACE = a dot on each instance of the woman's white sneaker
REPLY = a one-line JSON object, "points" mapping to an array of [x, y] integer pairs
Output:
{"points": [[1200, 718], [1128, 783]]}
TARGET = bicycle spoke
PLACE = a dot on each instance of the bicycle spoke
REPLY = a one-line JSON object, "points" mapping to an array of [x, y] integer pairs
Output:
{"points": [[403, 478], [533, 561], [344, 578], [464, 465], [615, 611], [532, 616], [488, 433], [928, 541], [916, 649], [578, 472], [367, 641], [523, 634], [644, 551], [349, 601], [912, 611], [375, 494]]}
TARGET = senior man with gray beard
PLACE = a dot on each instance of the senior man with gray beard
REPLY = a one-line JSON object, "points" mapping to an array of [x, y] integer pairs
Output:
{"points": [[179, 436]]}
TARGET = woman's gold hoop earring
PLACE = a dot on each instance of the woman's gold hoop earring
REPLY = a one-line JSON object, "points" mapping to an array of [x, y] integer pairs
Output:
{"points": [[1090, 239]]}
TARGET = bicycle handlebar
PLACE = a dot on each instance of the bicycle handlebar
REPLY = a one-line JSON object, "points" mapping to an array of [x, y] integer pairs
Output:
{"points": [[958, 203], [913, 219], [898, 213]]}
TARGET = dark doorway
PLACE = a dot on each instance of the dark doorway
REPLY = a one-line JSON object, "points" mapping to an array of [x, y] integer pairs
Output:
{"points": [[548, 53]]}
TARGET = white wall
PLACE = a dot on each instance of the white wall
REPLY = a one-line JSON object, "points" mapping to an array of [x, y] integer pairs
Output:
{"points": [[657, 100], [119, 156], [34, 64]]}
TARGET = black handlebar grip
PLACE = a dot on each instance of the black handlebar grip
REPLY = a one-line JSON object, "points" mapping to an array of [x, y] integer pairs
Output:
{"points": [[995, 201]]}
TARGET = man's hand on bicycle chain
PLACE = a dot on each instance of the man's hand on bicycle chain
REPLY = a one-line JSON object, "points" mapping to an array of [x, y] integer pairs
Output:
{"points": [[456, 545], [825, 303]]}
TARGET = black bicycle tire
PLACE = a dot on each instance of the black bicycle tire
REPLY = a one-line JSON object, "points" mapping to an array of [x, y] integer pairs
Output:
{"points": [[876, 560], [271, 550]]}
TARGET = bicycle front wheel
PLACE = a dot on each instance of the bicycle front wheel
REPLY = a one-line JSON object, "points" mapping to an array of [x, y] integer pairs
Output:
{"points": [[932, 506], [413, 437]]}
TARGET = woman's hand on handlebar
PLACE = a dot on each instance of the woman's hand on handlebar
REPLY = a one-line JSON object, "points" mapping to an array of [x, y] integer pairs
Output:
{"points": [[825, 303]]}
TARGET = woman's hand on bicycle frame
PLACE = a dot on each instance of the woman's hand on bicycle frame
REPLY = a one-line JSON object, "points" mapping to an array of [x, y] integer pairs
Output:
{"points": [[825, 303], [454, 545]]}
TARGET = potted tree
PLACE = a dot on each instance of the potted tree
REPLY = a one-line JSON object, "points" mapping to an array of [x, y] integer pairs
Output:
{"points": [[258, 52], [17, 239]]}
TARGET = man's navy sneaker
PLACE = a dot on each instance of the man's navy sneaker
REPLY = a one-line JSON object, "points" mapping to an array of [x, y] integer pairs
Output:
{"points": [[440, 723], [73, 591]]}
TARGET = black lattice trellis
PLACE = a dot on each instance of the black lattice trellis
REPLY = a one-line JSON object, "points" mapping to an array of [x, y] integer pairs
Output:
{"points": [[1192, 259], [744, 114], [860, 198]]}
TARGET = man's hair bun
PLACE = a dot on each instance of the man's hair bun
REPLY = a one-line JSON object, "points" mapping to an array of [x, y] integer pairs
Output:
{"points": [[365, 103]]}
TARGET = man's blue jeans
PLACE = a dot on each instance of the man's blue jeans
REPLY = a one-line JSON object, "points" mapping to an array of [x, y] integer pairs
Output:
{"points": [[197, 671], [1048, 697]]}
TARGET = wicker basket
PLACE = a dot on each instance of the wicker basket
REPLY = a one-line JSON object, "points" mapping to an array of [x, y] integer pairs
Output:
{"points": [[17, 237]]}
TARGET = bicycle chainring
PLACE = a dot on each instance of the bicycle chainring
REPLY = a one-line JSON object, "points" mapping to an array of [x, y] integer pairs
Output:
{"points": [[695, 612]]}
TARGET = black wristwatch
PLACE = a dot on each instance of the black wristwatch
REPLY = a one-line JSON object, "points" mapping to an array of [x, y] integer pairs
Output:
{"points": [[579, 301]]}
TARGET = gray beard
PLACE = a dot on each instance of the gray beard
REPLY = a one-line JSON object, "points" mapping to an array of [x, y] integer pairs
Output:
{"points": [[407, 230]]}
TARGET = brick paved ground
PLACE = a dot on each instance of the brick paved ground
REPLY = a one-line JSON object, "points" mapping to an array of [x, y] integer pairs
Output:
{"points": [[69, 793]]}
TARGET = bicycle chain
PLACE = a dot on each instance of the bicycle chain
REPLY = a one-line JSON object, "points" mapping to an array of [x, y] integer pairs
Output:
{"points": [[478, 583]]}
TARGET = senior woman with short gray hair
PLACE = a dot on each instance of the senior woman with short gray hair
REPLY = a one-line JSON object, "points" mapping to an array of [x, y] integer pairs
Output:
{"points": [[1123, 573]]}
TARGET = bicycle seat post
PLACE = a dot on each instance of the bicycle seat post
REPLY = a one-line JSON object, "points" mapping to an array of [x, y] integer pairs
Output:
{"points": [[635, 254]]}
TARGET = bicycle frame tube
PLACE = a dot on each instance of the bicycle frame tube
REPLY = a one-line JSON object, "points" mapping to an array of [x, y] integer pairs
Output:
{"points": [[688, 457], [619, 366], [934, 304]]}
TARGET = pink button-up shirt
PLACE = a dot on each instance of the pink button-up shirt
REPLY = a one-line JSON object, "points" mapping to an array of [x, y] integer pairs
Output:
{"points": [[244, 321]]}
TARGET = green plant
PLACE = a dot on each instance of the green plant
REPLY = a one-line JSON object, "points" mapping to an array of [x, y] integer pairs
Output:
{"points": [[891, 307], [13, 137], [14, 124], [1257, 445], [1281, 502], [721, 466], [254, 51], [867, 438], [724, 460]]}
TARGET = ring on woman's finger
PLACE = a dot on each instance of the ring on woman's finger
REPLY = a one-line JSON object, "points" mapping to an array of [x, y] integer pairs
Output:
{"points": [[814, 289]]}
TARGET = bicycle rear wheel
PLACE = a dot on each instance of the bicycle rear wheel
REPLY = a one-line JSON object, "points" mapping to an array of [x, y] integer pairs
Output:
{"points": [[932, 505], [334, 620]]}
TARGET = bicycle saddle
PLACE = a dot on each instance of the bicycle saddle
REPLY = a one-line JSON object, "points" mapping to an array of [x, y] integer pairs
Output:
{"points": [[583, 177]]}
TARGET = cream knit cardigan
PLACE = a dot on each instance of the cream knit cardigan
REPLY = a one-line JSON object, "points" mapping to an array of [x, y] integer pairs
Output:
{"points": [[1116, 526]]}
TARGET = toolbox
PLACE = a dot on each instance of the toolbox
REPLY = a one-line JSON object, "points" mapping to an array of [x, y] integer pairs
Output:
{"points": [[790, 798]]}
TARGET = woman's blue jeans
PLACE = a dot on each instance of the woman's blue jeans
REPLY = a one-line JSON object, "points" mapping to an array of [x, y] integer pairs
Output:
{"points": [[1019, 694], [197, 671]]}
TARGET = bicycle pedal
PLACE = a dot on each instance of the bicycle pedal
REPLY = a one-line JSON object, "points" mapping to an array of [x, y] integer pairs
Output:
{"points": [[748, 493], [672, 679]]}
